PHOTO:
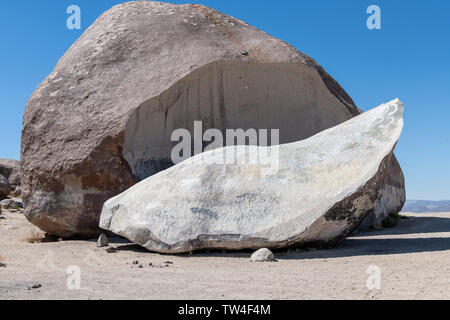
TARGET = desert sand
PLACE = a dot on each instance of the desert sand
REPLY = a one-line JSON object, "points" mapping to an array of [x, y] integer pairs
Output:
{"points": [[414, 260]]}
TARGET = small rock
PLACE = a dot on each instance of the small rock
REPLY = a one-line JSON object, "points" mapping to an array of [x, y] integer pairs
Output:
{"points": [[262, 255], [111, 250], [168, 262], [135, 262], [102, 241], [6, 204], [2, 265], [141, 266], [36, 286]]}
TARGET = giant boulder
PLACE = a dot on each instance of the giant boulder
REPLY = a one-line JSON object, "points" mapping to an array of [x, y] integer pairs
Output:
{"points": [[102, 120], [321, 190]]}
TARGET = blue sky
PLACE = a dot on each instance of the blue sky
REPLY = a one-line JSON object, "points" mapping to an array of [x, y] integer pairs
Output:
{"points": [[408, 58]]}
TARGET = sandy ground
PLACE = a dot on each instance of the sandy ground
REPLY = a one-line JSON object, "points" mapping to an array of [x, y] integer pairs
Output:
{"points": [[413, 258]]}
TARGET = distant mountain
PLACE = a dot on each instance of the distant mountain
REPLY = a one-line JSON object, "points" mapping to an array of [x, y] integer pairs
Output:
{"points": [[419, 206]]}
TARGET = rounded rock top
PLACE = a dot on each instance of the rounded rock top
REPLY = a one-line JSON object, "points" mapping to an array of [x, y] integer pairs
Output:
{"points": [[262, 255]]}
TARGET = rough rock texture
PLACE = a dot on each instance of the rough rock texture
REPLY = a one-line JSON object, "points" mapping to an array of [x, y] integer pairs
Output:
{"points": [[10, 169], [262, 255], [5, 188], [102, 120], [323, 188]]}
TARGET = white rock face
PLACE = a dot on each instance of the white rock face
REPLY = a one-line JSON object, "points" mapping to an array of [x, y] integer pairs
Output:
{"points": [[323, 188], [262, 255]]}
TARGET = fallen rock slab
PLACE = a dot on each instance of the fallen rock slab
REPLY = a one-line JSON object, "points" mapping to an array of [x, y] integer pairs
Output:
{"points": [[322, 189]]}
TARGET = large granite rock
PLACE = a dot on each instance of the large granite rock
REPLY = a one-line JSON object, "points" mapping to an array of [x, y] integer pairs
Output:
{"points": [[10, 169], [102, 120], [5, 188], [323, 188]]}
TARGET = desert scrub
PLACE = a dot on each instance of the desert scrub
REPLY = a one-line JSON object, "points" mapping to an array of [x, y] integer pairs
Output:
{"points": [[392, 219]]}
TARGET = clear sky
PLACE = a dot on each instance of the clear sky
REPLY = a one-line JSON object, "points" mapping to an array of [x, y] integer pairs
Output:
{"points": [[408, 58]]}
